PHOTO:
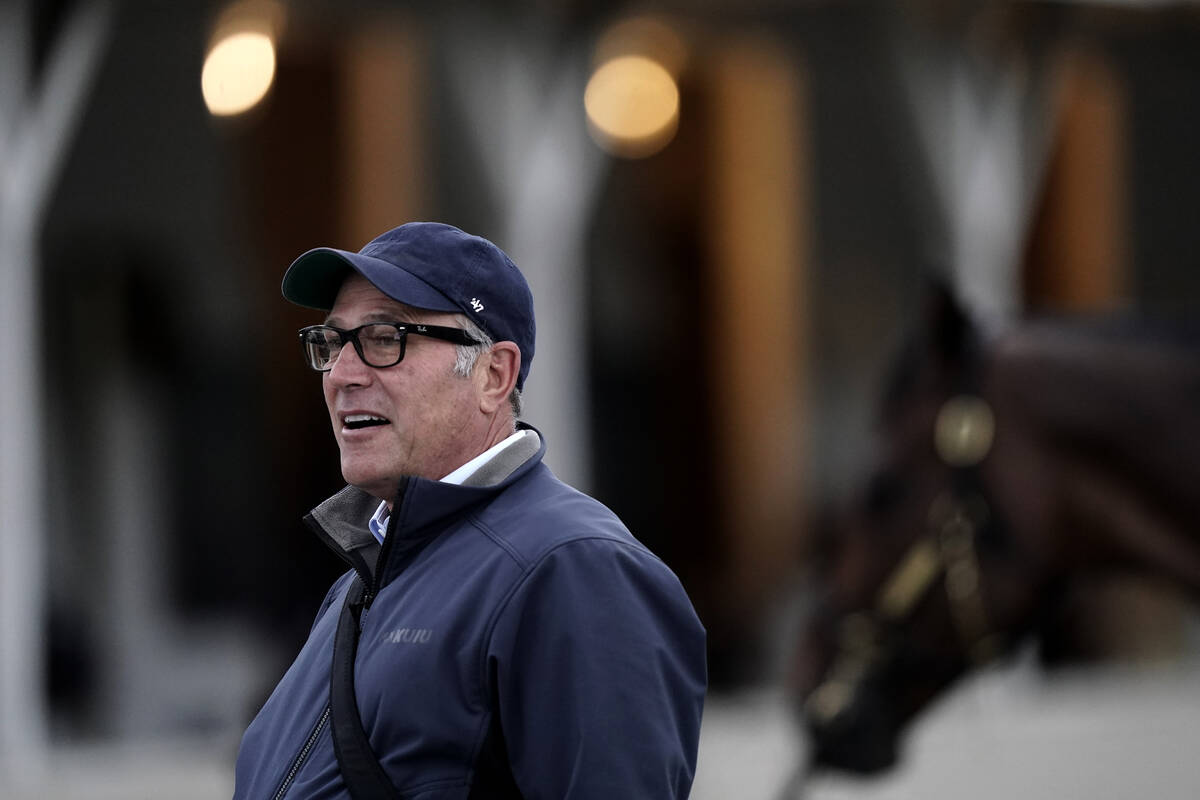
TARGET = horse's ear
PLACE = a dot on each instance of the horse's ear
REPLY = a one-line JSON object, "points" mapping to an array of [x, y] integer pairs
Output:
{"points": [[948, 329]]}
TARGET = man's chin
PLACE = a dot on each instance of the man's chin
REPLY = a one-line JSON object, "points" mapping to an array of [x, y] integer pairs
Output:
{"points": [[383, 487]]}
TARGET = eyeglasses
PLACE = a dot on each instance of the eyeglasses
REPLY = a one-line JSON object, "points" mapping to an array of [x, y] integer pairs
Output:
{"points": [[378, 344]]}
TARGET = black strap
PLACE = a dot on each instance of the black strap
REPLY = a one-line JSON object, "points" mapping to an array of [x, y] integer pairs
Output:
{"points": [[363, 775], [361, 771]]}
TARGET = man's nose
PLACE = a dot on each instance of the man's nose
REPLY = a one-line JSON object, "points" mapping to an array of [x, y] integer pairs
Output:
{"points": [[348, 369]]}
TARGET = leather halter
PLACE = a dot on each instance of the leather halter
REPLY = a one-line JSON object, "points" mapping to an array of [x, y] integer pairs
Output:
{"points": [[963, 435]]}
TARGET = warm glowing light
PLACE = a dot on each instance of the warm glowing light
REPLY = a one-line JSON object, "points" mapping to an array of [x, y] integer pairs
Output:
{"points": [[632, 105], [238, 72], [647, 35]]}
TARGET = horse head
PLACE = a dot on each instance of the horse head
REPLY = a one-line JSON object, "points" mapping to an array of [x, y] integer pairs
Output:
{"points": [[921, 577]]}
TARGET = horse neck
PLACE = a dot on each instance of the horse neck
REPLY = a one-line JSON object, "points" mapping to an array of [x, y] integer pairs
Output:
{"points": [[1113, 422]]}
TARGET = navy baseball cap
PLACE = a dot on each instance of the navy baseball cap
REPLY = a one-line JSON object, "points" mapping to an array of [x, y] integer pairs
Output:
{"points": [[432, 266]]}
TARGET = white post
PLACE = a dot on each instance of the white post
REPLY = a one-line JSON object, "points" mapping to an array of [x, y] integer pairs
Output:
{"points": [[35, 128], [547, 223], [539, 161], [983, 128]]}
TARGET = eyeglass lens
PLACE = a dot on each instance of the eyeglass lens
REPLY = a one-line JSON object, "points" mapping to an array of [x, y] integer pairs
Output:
{"points": [[379, 345]]}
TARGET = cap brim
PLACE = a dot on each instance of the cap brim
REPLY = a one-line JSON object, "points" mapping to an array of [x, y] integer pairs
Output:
{"points": [[313, 280]]}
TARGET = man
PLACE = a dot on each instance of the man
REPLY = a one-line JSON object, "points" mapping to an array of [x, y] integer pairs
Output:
{"points": [[513, 638]]}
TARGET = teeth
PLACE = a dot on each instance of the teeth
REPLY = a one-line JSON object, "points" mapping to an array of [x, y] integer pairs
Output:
{"points": [[356, 421]]}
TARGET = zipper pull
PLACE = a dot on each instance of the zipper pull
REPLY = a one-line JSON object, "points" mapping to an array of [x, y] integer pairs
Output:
{"points": [[366, 606]]}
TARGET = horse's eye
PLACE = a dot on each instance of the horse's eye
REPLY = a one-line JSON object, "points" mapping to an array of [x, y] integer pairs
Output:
{"points": [[884, 492]]}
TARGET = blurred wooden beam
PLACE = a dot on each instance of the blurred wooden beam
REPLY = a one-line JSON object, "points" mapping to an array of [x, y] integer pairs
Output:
{"points": [[382, 123], [1076, 258], [757, 226]]}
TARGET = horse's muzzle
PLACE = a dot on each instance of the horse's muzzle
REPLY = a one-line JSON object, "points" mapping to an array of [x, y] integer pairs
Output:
{"points": [[862, 738]]}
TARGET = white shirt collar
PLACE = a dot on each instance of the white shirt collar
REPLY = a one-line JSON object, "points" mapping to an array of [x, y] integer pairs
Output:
{"points": [[379, 522]]}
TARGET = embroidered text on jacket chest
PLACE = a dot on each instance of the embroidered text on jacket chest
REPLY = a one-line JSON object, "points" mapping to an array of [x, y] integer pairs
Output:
{"points": [[407, 636]]}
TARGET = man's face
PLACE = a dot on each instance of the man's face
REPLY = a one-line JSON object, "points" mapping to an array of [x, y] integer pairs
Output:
{"points": [[430, 416]]}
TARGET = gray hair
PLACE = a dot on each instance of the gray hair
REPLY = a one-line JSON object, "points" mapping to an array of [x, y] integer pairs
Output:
{"points": [[466, 356]]}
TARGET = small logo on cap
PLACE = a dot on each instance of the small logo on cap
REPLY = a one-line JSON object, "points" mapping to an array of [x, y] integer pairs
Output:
{"points": [[475, 304]]}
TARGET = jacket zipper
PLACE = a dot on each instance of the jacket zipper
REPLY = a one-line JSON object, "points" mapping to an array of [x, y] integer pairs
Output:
{"points": [[373, 578], [302, 756], [370, 579]]}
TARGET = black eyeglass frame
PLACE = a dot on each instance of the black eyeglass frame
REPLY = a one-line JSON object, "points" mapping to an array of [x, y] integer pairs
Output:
{"points": [[446, 334]]}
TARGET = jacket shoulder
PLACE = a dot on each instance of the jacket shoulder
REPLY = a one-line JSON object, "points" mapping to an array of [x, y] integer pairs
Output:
{"points": [[540, 513]]}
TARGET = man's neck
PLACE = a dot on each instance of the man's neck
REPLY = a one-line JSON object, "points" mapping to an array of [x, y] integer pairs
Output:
{"points": [[468, 467]]}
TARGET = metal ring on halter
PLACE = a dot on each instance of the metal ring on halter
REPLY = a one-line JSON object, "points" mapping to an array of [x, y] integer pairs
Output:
{"points": [[963, 434]]}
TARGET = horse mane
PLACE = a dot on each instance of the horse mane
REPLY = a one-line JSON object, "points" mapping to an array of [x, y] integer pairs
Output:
{"points": [[1115, 387], [1114, 399]]}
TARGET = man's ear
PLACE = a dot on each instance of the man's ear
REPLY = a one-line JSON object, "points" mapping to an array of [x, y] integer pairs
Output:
{"points": [[497, 375]]}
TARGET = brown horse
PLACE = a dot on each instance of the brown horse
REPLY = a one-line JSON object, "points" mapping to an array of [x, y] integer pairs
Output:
{"points": [[1008, 466]]}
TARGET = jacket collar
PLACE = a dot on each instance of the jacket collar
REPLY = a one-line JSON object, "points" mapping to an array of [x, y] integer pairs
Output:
{"points": [[341, 521], [422, 502]]}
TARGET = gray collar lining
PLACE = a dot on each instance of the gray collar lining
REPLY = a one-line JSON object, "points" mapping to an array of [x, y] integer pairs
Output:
{"points": [[345, 515]]}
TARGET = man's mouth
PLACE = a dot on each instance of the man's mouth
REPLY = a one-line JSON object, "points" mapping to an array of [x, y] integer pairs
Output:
{"points": [[356, 422]]}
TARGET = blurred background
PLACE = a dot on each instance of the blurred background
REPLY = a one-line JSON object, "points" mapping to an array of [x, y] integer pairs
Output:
{"points": [[726, 209]]}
